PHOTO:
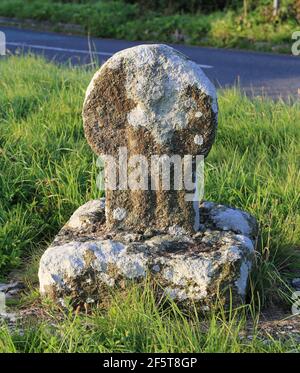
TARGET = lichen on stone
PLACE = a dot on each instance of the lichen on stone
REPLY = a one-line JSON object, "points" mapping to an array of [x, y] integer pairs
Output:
{"points": [[151, 100], [189, 268]]}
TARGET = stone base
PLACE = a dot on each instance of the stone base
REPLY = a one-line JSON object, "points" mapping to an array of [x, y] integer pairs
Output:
{"points": [[85, 260]]}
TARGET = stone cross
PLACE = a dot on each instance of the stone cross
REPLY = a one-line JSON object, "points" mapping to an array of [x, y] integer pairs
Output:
{"points": [[148, 101]]}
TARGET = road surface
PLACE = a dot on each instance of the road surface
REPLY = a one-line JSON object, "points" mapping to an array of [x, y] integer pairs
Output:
{"points": [[256, 73]]}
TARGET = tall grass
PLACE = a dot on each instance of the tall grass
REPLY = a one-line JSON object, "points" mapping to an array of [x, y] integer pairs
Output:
{"points": [[136, 322], [47, 168], [255, 165]]}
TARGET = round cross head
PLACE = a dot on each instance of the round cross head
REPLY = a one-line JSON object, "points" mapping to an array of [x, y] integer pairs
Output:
{"points": [[150, 98]]}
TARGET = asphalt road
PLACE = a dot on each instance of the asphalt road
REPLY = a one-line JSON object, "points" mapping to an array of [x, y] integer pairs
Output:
{"points": [[256, 73]]}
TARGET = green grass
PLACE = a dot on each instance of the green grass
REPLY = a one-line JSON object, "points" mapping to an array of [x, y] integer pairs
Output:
{"points": [[253, 27], [138, 323], [48, 170]]}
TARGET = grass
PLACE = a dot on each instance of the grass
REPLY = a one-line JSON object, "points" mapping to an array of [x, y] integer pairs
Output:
{"points": [[251, 27], [48, 170], [136, 322]]}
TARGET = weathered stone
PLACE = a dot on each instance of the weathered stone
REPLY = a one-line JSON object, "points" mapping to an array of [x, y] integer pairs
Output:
{"points": [[11, 289], [296, 283], [87, 214], [189, 268], [11, 286], [150, 100], [229, 219]]}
